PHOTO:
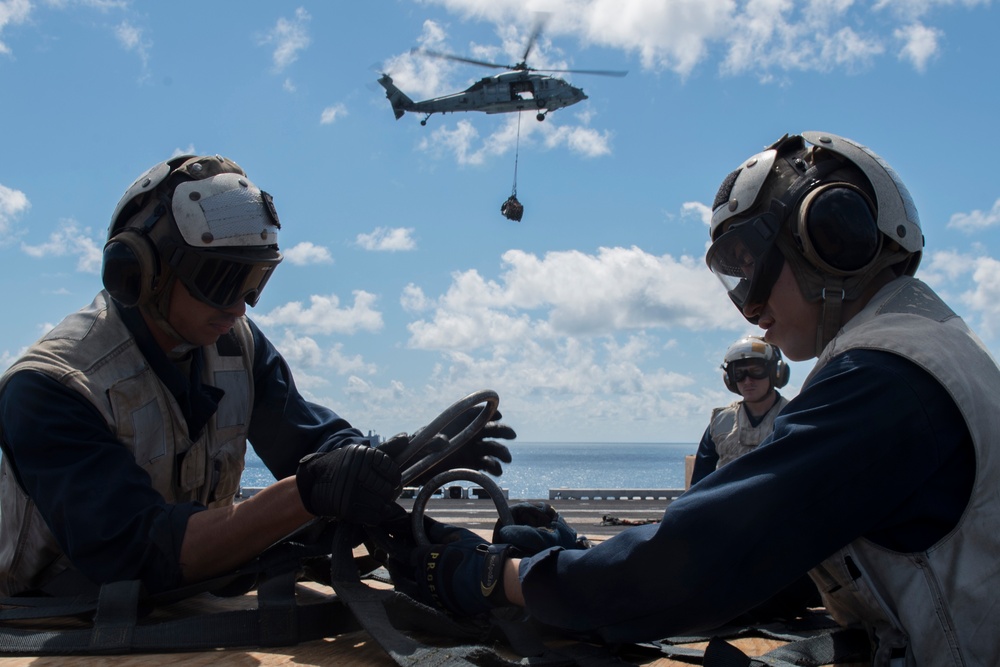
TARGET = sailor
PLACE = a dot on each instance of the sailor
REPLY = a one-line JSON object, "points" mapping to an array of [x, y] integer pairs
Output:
{"points": [[124, 429], [754, 370], [880, 477]]}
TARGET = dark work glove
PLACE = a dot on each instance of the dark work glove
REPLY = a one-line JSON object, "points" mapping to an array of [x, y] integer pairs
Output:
{"points": [[536, 527], [460, 572], [482, 452], [354, 483]]}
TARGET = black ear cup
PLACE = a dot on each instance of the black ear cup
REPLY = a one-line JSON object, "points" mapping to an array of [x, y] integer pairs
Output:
{"points": [[131, 268], [838, 230], [781, 374]]}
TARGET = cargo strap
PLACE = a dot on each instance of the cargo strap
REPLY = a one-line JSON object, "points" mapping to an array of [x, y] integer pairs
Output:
{"points": [[385, 614], [814, 639], [119, 618]]}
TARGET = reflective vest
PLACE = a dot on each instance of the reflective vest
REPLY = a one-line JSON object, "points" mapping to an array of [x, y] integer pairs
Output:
{"points": [[93, 353], [734, 435], [936, 607]]}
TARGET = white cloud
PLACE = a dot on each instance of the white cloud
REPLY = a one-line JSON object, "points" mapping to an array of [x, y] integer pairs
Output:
{"points": [[69, 239], [944, 266], [458, 142], [131, 38], [325, 316], [974, 279], [976, 220], [414, 300], [767, 38], [332, 113], [763, 37], [305, 253], [584, 141], [787, 36], [420, 76], [389, 239], [306, 354], [573, 294], [463, 142], [313, 365], [12, 12], [289, 37], [12, 204], [697, 210], [190, 150], [920, 44], [984, 297]]}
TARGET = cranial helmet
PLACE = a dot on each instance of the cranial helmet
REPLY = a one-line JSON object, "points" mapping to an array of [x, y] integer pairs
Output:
{"points": [[199, 220], [830, 207], [752, 347]]}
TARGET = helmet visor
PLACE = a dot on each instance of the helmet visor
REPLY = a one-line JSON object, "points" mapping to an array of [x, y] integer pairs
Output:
{"points": [[224, 279], [747, 260]]}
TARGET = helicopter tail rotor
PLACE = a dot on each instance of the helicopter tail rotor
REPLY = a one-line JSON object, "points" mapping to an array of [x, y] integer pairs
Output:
{"points": [[397, 98]]}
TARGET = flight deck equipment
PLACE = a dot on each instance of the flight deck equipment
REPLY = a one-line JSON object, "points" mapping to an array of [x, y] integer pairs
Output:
{"points": [[119, 620]]}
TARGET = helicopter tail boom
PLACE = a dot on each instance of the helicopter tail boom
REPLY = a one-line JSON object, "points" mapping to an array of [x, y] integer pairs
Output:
{"points": [[397, 98]]}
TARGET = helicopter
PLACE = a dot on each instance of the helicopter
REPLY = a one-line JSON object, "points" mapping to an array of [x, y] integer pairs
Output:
{"points": [[519, 88]]}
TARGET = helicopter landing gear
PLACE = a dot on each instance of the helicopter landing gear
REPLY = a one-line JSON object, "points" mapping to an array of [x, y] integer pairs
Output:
{"points": [[425, 119], [540, 117]]}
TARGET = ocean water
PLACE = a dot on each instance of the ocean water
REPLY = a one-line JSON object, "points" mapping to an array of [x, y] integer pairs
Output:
{"points": [[538, 467]]}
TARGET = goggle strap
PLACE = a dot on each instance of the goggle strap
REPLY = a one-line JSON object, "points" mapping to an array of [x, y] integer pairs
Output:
{"points": [[833, 302]]}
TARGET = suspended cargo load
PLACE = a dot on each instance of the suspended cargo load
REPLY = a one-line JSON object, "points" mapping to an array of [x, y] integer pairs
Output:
{"points": [[512, 209]]}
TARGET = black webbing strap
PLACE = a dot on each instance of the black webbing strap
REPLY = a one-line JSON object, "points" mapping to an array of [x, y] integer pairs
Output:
{"points": [[371, 607], [385, 613], [830, 647], [117, 620], [837, 647], [117, 612]]}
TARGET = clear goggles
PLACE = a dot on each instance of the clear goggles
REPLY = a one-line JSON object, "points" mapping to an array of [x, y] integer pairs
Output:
{"points": [[747, 260], [223, 279], [756, 370]]}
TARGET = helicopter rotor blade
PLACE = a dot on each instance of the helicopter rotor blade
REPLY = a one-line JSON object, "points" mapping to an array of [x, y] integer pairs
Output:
{"points": [[541, 18], [601, 72], [461, 59]]}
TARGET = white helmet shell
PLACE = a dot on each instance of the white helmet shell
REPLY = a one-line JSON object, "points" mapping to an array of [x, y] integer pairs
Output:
{"points": [[225, 210], [146, 183], [753, 174], [750, 347]]}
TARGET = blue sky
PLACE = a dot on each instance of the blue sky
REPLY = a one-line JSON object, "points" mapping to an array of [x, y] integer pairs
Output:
{"points": [[403, 288]]}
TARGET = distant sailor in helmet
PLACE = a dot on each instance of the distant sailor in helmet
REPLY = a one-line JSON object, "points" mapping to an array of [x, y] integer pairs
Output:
{"points": [[124, 429], [880, 477], [754, 370]]}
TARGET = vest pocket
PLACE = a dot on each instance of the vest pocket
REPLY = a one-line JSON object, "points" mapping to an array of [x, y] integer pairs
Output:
{"points": [[140, 426], [191, 467], [232, 410], [227, 471]]}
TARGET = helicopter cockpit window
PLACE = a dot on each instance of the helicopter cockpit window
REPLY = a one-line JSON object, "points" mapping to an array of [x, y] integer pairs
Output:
{"points": [[521, 90]]}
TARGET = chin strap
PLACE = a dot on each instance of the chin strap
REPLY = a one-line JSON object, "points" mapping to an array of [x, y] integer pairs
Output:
{"points": [[833, 308], [157, 311]]}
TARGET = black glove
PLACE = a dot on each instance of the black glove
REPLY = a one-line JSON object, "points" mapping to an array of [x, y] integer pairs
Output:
{"points": [[354, 483], [536, 527], [460, 572], [480, 453]]}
